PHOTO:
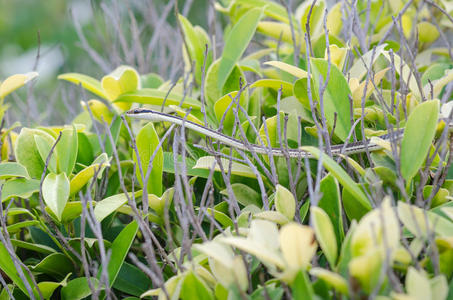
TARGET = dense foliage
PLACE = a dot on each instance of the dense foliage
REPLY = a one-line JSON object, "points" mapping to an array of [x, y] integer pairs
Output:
{"points": [[111, 207]]}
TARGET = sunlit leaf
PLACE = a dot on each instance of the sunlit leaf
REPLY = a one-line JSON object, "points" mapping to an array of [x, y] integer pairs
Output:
{"points": [[418, 136], [14, 82], [55, 191], [148, 149], [324, 234], [236, 43]]}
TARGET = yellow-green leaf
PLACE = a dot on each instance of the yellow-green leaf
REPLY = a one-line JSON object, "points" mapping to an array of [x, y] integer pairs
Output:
{"points": [[236, 42], [418, 136], [324, 234], [14, 82]]}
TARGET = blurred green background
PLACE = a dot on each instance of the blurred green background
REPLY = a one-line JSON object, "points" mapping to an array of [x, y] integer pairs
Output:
{"points": [[106, 25]]}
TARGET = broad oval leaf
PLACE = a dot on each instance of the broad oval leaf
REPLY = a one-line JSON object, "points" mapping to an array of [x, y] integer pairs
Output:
{"points": [[418, 136], [55, 191], [298, 245], [149, 149], [27, 153], [12, 169], [122, 80], [285, 202], [325, 234], [67, 148], [19, 187]]}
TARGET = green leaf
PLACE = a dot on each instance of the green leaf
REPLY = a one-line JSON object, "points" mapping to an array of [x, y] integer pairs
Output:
{"points": [[244, 194], [110, 204], [67, 150], [271, 9], [147, 143], [301, 287], [85, 175], [12, 169], [55, 191], [335, 97], [131, 280], [78, 288], [418, 136], [157, 97], [8, 267], [122, 80], [195, 288], [275, 84], [33, 247], [422, 223], [44, 146], [330, 202], [17, 226], [56, 265], [195, 46], [87, 82], [325, 234], [207, 162], [14, 82], [332, 279], [360, 199], [362, 64], [120, 248], [170, 167], [212, 92], [295, 71], [27, 153], [285, 202], [115, 129], [20, 187], [237, 41]]}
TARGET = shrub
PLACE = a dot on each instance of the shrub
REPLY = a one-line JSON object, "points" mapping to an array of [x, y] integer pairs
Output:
{"points": [[311, 161]]}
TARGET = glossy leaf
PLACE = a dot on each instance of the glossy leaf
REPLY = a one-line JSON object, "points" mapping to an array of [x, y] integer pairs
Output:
{"points": [[8, 267], [147, 143], [158, 97], [236, 43], [120, 248], [27, 153], [122, 80], [79, 288], [335, 97], [195, 46], [347, 182], [285, 202], [12, 169], [295, 71], [55, 191], [298, 245], [194, 288], [87, 82], [85, 175], [67, 150], [110, 204], [14, 82], [418, 136], [324, 234], [208, 162], [19, 187], [330, 202]]}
